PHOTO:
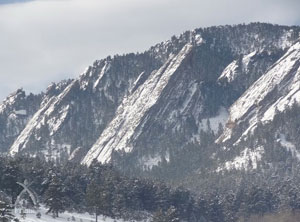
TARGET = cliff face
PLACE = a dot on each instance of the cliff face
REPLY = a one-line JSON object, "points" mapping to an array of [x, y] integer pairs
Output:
{"points": [[148, 106], [15, 112]]}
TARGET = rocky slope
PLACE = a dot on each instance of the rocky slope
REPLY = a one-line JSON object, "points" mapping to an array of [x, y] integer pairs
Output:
{"points": [[273, 93], [140, 109], [15, 112]]}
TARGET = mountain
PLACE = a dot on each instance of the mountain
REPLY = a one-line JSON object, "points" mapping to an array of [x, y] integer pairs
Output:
{"points": [[15, 111], [202, 100], [277, 91]]}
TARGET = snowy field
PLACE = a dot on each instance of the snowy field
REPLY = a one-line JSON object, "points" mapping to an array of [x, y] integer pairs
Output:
{"points": [[66, 216]]}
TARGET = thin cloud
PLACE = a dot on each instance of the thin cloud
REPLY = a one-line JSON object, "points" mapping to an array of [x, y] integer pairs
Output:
{"points": [[49, 40]]}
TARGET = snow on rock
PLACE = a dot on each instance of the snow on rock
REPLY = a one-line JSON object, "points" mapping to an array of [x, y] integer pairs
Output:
{"points": [[285, 101], [247, 159], [233, 70], [55, 122], [129, 114], [264, 85], [230, 72], [191, 92], [198, 39], [15, 112], [284, 41], [105, 68], [247, 58], [282, 81], [39, 119]]}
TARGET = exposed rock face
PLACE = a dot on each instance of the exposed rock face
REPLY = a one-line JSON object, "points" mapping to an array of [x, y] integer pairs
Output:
{"points": [[151, 104], [276, 90], [256, 112], [15, 111]]}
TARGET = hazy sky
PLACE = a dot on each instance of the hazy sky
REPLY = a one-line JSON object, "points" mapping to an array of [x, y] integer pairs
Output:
{"points": [[43, 41]]}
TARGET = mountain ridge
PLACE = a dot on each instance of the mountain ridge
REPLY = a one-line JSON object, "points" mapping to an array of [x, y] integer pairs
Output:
{"points": [[90, 118]]}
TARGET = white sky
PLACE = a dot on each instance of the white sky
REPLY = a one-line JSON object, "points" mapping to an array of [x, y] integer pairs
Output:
{"points": [[48, 40]]}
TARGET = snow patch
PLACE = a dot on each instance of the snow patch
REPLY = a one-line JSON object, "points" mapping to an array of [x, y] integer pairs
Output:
{"points": [[55, 122], [230, 72], [289, 146], [198, 39], [211, 123], [246, 60], [248, 158], [105, 68], [66, 216], [21, 112], [215, 121], [191, 91], [221, 118], [148, 162]]}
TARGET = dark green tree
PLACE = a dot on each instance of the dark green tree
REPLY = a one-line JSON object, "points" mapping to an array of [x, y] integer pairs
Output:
{"points": [[171, 215], [5, 212], [54, 197]]}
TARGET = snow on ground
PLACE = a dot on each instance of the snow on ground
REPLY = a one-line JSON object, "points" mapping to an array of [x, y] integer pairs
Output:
{"points": [[289, 146], [215, 121], [285, 101], [63, 217], [221, 118], [21, 112], [149, 162], [243, 161]]}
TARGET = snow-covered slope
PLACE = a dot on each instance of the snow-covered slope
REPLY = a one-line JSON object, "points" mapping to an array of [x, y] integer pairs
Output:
{"points": [[253, 126], [121, 129], [147, 106], [276, 90], [15, 111], [69, 122], [245, 70]]}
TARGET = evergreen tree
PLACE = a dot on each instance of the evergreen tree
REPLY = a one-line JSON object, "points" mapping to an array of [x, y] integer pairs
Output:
{"points": [[5, 212], [99, 197], [54, 197], [171, 215]]}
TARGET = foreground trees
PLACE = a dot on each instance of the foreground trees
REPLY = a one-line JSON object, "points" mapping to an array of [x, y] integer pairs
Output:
{"points": [[54, 197], [106, 191], [5, 212]]}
